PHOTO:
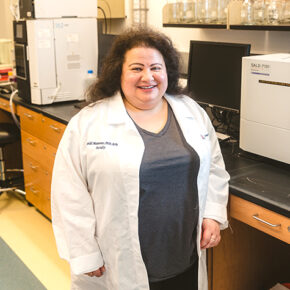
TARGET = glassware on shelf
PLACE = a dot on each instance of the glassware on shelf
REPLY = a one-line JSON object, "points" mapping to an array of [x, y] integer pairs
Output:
{"points": [[274, 12], [247, 12], [222, 11], [206, 11], [259, 12], [286, 12], [172, 11], [186, 11]]}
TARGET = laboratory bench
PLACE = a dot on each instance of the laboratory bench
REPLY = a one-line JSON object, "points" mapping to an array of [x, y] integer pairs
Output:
{"points": [[254, 251]]}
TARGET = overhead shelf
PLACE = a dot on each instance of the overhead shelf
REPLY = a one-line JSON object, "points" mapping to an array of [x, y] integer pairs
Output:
{"points": [[195, 25], [262, 27], [285, 27]]}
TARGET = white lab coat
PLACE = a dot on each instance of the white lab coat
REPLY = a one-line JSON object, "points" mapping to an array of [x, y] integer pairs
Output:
{"points": [[95, 191]]}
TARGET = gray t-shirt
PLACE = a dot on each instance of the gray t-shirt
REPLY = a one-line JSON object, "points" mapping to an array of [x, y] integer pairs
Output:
{"points": [[168, 208]]}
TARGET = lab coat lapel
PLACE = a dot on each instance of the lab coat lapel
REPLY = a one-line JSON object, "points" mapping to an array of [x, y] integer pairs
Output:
{"points": [[131, 154], [193, 130]]}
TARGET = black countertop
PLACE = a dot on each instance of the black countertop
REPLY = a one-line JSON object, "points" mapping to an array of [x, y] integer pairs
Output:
{"points": [[253, 178], [259, 180], [61, 112]]}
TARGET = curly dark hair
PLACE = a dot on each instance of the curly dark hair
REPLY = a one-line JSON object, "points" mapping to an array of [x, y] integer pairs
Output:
{"points": [[109, 81]]}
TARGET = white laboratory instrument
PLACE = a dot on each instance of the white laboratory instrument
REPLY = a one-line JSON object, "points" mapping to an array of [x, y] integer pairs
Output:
{"points": [[265, 106], [60, 52]]}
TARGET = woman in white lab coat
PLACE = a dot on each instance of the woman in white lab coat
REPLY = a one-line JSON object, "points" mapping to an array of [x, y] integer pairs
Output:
{"points": [[139, 188]]}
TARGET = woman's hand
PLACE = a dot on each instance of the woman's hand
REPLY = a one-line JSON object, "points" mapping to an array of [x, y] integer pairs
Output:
{"points": [[97, 273], [210, 234]]}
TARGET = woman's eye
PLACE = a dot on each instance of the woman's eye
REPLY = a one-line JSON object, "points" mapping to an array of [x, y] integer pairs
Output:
{"points": [[156, 68], [136, 69]]}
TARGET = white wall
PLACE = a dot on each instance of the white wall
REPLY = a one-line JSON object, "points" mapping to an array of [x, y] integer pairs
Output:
{"points": [[6, 29]]}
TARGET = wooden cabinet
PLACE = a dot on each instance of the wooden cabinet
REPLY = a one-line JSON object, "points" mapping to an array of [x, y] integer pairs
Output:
{"points": [[251, 255], [4, 105], [40, 136]]}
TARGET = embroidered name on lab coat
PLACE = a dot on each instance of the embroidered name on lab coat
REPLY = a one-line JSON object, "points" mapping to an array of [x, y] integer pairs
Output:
{"points": [[101, 145]]}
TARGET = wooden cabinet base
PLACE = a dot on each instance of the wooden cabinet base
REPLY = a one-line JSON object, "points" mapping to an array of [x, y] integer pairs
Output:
{"points": [[247, 259]]}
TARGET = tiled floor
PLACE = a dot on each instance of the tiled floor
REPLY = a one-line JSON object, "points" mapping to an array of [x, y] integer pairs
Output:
{"points": [[30, 236]]}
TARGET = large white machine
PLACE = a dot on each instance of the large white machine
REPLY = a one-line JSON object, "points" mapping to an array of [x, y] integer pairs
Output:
{"points": [[60, 52], [265, 106]]}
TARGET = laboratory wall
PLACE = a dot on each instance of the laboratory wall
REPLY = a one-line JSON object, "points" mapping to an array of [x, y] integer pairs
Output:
{"points": [[261, 41], [6, 29]]}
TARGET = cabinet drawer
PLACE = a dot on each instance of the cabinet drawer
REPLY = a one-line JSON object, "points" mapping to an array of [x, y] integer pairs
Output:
{"points": [[46, 204], [36, 174], [52, 131], [260, 218], [38, 150], [4, 105], [30, 121], [33, 195], [38, 198]]}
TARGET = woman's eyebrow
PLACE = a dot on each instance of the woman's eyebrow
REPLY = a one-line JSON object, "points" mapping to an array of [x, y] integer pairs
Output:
{"points": [[136, 63], [157, 63]]}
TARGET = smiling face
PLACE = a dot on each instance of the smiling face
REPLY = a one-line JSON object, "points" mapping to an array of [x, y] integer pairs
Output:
{"points": [[144, 77]]}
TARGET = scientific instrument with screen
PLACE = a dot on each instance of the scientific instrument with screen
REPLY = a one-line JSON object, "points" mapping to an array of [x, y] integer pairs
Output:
{"points": [[214, 73]]}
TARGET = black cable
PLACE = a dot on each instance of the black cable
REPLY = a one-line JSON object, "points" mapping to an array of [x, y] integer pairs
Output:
{"points": [[105, 18], [110, 14]]}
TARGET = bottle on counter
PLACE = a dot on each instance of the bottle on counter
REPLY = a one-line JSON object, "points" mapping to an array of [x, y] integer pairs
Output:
{"points": [[88, 81]]}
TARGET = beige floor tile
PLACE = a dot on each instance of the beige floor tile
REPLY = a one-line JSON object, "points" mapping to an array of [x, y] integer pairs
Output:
{"points": [[30, 236]]}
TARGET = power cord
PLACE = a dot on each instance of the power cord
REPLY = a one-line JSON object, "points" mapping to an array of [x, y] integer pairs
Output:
{"points": [[105, 19], [12, 109]]}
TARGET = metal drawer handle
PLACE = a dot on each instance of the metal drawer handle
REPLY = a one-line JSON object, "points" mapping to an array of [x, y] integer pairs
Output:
{"points": [[28, 116], [256, 217], [4, 105], [33, 167], [31, 142], [55, 128], [34, 191]]}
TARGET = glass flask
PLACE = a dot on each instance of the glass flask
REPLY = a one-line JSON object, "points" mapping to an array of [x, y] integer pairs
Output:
{"points": [[247, 12], [274, 12], [222, 11], [206, 11], [172, 11], [259, 12], [187, 11], [286, 12]]}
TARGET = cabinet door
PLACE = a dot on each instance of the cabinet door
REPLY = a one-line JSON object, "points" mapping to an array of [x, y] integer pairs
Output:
{"points": [[247, 257]]}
